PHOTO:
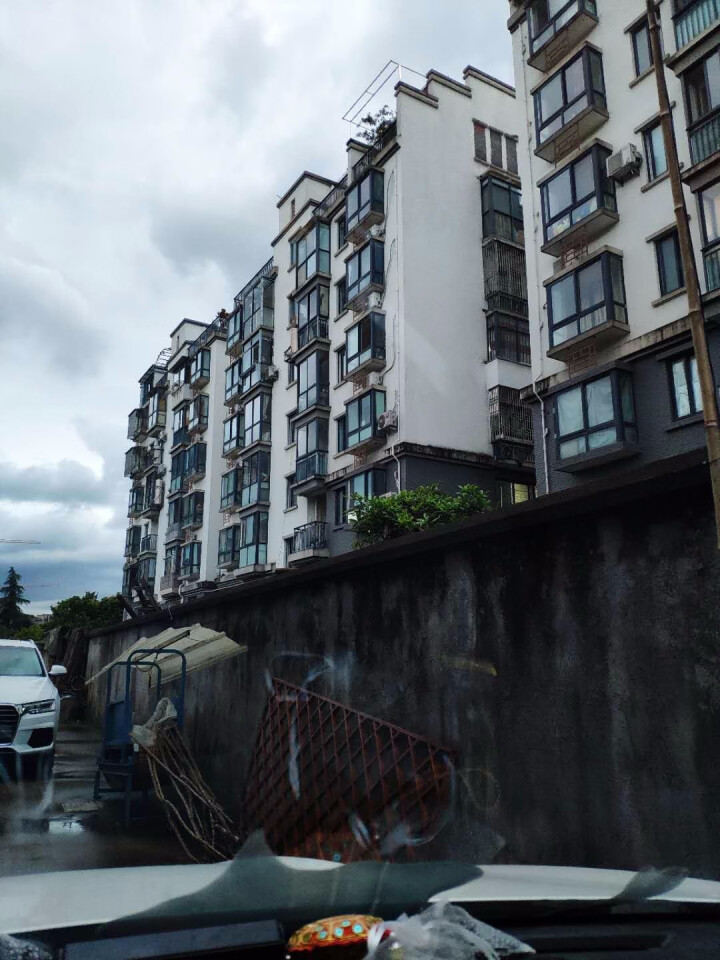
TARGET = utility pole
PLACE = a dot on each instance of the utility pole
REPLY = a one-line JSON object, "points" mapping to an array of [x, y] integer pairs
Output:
{"points": [[695, 311]]}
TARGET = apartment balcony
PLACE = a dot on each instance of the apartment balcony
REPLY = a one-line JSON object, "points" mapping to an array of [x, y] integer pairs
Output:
{"points": [[511, 428], [704, 140], [180, 393], [148, 544], [195, 463], [508, 338], [505, 277], [383, 141], [136, 502], [136, 459], [309, 543], [156, 421], [311, 473], [197, 424], [552, 40], [173, 532], [317, 329], [170, 585], [711, 261], [693, 18], [137, 424], [153, 501]]}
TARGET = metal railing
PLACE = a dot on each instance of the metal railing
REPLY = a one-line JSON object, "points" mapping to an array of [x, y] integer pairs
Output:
{"points": [[711, 260], [264, 271], [135, 461], [311, 536], [366, 161], [510, 417], [504, 271], [316, 328], [705, 138], [332, 199], [694, 19], [149, 544], [508, 339], [137, 423], [314, 465], [217, 328]]}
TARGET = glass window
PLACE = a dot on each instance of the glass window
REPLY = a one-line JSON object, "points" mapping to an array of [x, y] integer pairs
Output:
{"points": [[702, 87], [585, 298], [642, 51], [655, 151], [258, 306], [251, 539], [361, 418], [595, 414], [502, 213], [232, 380], [290, 493], [256, 419], [313, 380], [512, 493], [685, 385], [312, 312], [364, 268], [341, 361], [229, 486], [291, 427], [365, 197], [341, 287], [573, 88], [199, 412], [190, 559], [255, 479], [710, 206], [576, 192], [667, 250], [549, 16], [200, 368], [369, 483], [313, 253], [232, 433], [312, 447], [341, 226], [365, 341]]}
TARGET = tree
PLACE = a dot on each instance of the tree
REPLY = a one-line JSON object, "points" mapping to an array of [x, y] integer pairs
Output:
{"points": [[374, 125], [35, 632], [382, 518], [12, 596], [87, 611]]}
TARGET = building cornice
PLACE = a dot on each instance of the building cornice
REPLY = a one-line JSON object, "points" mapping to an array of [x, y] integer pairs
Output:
{"points": [[305, 175]]}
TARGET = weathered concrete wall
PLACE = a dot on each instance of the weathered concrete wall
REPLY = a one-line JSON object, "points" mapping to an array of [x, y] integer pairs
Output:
{"points": [[568, 650]]}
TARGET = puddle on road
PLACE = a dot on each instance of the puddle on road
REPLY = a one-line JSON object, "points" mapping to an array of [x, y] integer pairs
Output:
{"points": [[66, 828]]}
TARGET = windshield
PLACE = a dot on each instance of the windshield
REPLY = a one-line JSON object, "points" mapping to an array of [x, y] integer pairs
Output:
{"points": [[20, 662]]}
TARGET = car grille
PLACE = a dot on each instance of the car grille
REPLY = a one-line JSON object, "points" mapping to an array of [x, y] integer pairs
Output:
{"points": [[9, 720]]}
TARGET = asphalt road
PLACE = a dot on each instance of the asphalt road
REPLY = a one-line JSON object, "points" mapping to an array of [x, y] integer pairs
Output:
{"points": [[57, 825]]}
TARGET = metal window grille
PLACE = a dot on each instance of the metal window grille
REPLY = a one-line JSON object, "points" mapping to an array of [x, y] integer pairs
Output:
{"points": [[496, 139], [510, 418], [505, 279], [511, 154], [347, 765], [480, 141]]}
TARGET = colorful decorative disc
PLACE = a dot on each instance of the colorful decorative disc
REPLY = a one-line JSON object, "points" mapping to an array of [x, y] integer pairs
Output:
{"points": [[332, 932]]}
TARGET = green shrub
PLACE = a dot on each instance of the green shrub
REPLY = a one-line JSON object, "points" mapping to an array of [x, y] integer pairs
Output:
{"points": [[374, 519]]}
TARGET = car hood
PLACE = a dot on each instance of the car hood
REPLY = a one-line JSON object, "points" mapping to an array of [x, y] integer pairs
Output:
{"points": [[49, 901], [26, 689]]}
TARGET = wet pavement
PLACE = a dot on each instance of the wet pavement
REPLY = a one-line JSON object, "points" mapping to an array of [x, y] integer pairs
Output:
{"points": [[58, 826]]}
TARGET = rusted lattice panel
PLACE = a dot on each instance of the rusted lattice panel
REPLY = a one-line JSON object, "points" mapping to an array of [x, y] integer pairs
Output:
{"points": [[330, 782]]}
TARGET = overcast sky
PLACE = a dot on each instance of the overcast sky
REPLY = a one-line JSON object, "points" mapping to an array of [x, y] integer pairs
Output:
{"points": [[143, 146]]}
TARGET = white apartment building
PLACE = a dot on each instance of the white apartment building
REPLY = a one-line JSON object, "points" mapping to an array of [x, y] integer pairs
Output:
{"points": [[384, 346], [614, 377]]}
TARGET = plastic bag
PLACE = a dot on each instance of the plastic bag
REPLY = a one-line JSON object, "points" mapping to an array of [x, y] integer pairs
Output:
{"points": [[442, 932]]}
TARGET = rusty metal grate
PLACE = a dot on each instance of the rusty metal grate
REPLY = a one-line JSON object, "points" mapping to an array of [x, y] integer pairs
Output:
{"points": [[329, 782]]}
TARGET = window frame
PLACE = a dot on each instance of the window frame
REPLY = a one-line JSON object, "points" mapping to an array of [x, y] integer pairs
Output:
{"points": [[492, 216], [312, 448], [202, 403], [594, 97], [625, 430], [375, 349], [255, 479], [341, 295], [373, 479], [200, 366], [518, 327], [603, 189], [256, 542], [193, 505], [196, 458], [230, 483], [235, 326], [611, 305], [190, 558], [634, 33], [233, 437], [291, 499], [365, 430], [258, 312], [373, 274], [662, 278], [687, 360], [357, 207], [649, 152], [583, 6], [312, 313], [305, 267], [257, 419], [317, 391]]}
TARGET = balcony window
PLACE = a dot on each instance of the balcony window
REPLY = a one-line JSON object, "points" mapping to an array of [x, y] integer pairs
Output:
{"points": [[148, 544], [702, 100], [192, 509], [190, 559], [255, 479], [232, 380], [256, 419], [256, 357], [174, 519], [502, 213], [693, 17], [313, 380], [200, 367], [226, 546], [171, 566], [311, 452], [313, 253], [655, 158], [157, 411], [230, 484], [710, 219], [258, 307], [177, 471], [198, 418], [365, 341], [132, 541], [595, 414], [137, 424], [195, 457], [364, 198], [579, 85], [641, 49], [233, 434], [146, 571], [180, 424], [370, 483], [548, 17], [576, 192], [586, 298], [508, 338], [360, 419], [311, 313], [365, 268], [251, 539], [341, 363], [669, 262], [341, 232], [685, 387], [235, 327], [136, 500], [152, 492], [341, 292]]}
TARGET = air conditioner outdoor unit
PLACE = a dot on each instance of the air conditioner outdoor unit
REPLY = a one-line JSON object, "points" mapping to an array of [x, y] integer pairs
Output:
{"points": [[377, 231], [388, 421], [374, 379], [624, 164], [273, 372]]}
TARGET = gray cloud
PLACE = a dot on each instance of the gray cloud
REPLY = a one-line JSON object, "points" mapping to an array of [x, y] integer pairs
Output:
{"points": [[66, 482]]}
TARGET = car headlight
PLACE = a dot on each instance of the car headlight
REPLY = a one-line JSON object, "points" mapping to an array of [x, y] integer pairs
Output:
{"points": [[40, 706]]}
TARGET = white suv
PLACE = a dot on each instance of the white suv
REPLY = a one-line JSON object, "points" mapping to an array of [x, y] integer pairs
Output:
{"points": [[29, 710]]}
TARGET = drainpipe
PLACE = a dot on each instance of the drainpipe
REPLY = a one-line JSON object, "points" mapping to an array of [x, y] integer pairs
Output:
{"points": [[695, 311], [544, 436]]}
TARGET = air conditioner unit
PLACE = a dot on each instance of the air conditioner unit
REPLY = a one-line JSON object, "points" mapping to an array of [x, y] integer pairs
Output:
{"points": [[273, 373], [374, 379], [377, 231], [624, 164], [388, 421]]}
